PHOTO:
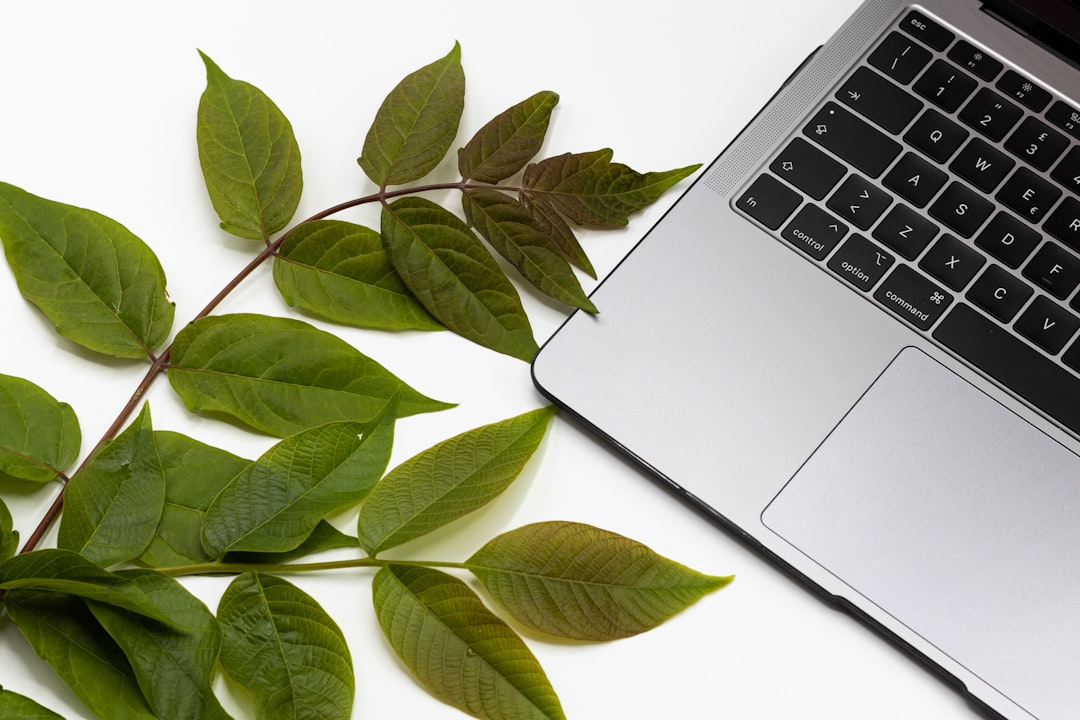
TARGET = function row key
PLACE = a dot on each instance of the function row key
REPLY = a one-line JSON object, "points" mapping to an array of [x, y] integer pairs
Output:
{"points": [[1065, 117], [975, 60], [919, 26], [1018, 87]]}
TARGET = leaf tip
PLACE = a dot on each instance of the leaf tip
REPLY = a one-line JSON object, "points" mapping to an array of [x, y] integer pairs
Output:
{"points": [[212, 69]]}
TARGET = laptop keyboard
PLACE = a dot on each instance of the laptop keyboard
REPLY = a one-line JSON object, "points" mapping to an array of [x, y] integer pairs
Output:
{"points": [[945, 186]]}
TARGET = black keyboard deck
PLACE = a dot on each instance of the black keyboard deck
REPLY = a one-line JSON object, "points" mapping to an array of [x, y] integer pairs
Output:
{"points": [[945, 186]]}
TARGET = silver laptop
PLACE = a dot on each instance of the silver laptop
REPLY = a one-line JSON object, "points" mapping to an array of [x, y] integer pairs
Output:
{"points": [[855, 340]]}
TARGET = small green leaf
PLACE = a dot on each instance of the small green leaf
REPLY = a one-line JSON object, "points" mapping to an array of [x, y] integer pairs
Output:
{"points": [[194, 474], [593, 191], [9, 538], [69, 638], [281, 376], [249, 156], [449, 480], [511, 139], [102, 287], [455, 277], [284, 648], [416, 123], [515, 235], [339, 271], [174, 665], [113, 505], [580, 582], [19, 707], [462, 653], [39, 436], [559, 233], [275, 504]]}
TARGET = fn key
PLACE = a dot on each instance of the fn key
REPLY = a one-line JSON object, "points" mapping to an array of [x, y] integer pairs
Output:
{"points": [[769, 201]]}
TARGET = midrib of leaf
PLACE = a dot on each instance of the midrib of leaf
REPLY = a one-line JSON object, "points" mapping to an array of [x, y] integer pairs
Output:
{"points": [[36, 461], [416, 117], [279, 646]]}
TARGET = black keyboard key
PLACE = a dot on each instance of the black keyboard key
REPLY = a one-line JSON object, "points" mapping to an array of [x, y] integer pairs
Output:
{"points": [[1067, 171], [926, 30], [1047, 324], [999, 293], [879, 100], [912, 297], [983, 165], [975, 60], [814, 231], [1008, 239], [1018, 87], [1064, 223], [952, 261], [962, 209], [1012, 362], [860, 262], [936, 135], [1037, 143], [906, 231], [1065, 117], [1055, 270], [900, 58], [1028, 194], [852, 139], [944, 85], [991, 114], [859, 202], [915, 180], [769, 201], [808, 169]]}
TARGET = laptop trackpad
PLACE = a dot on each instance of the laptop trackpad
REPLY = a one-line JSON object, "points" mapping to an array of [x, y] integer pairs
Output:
{"points": [[957, 518]]}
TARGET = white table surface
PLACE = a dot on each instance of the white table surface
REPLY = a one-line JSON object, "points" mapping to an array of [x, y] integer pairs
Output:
{"points": [[98, 110]]}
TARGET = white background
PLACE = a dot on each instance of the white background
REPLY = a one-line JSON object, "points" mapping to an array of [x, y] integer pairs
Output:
{"points": [[98, 110]]}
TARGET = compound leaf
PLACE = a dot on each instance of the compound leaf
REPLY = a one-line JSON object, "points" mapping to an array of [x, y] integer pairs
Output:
{"points": [[102, 287], [283, 647], [509, 141], [19, 707], [249, 156], [458, 649], [39, 436], [577, 581]]}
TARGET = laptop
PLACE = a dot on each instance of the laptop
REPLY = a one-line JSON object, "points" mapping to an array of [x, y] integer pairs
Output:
{"points": [[855, 339]]}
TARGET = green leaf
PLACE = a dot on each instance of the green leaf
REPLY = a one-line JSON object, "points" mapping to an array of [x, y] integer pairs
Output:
{"points": [[276, 503], [69, 638], [19, 707], [449, 480], [577, 581], [249, 156], [102, 287], [324, 537], [39, 436], [559, 233], [281, 376], [339, 271], [284, 648], [512, 231], [174, 666], [591, 190], [416, 123], [113, 505], [9, 538], [194, 474], [455, 277], [511, 139], [461, 652]]}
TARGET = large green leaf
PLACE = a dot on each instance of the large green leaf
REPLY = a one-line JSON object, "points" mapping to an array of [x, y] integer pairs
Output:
{"points": [[69, 638], [249, 156], [9, 537], [284, 648], [455, 277], [102, 287], [591, 190], [281, 376], [276, 503], [339, 271], [449, 480], [194, 474], [416, 123], [112, 506], [580, 582], [461, 652], [39, 436], [515, 234], [174, 666], [19, 707], [511, 139]]}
